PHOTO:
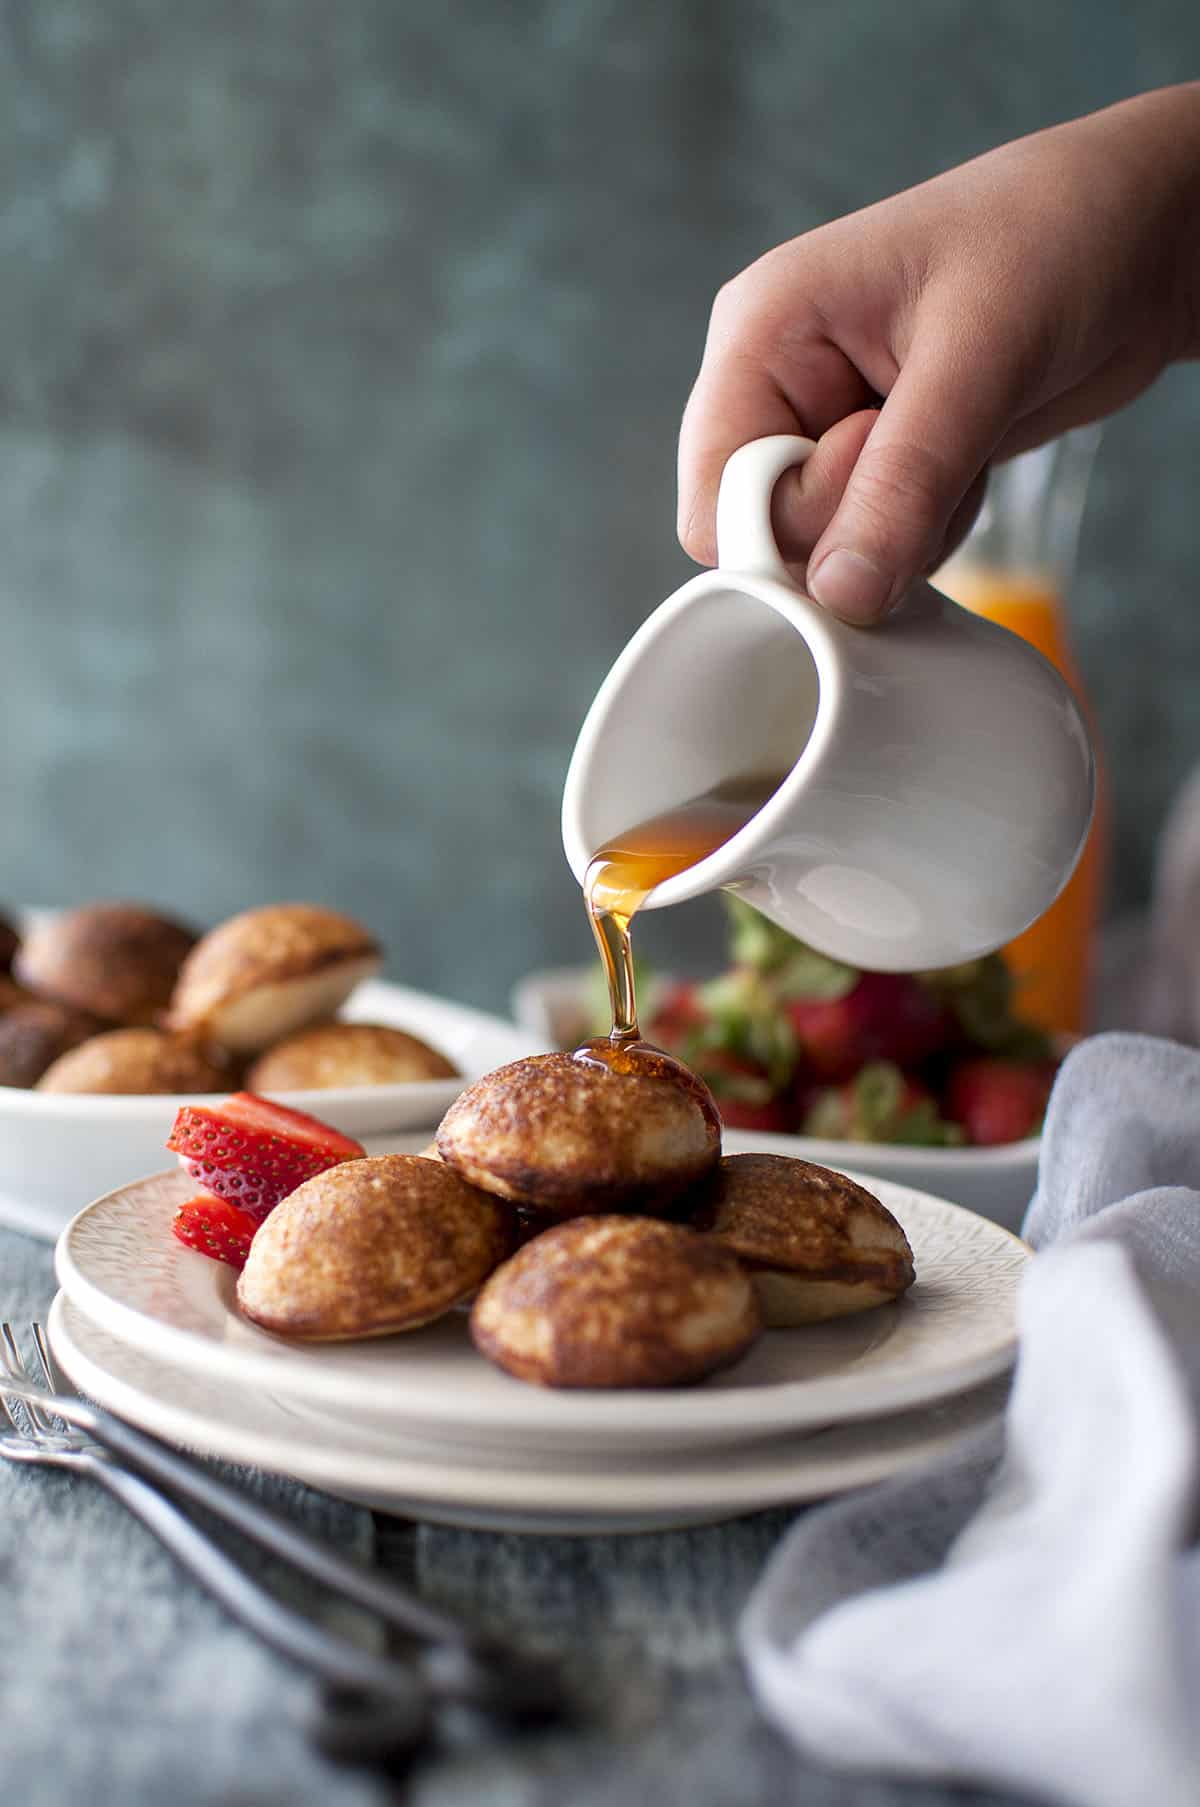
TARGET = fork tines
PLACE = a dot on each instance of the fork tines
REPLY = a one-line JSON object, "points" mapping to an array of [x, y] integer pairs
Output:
{"points": [[10, 1354]]}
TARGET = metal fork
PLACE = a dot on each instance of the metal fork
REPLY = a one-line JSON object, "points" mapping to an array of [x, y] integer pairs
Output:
{"points": [[452, 1663]]}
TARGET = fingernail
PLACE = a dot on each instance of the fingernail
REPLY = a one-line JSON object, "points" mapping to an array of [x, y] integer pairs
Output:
{"points": [[849, 585]]}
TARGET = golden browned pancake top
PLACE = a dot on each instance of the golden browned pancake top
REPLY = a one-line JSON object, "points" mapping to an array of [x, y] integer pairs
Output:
{"points": [[265, 947], [774, 1211], [12, 994], [33, 1035], [135, 1060], [616, 1302], [337, 1054], [555, 1130], [117, 960], [370, 1247]]}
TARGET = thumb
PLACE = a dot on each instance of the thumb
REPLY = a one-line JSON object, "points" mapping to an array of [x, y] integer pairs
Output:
{"points": [[928, 447]]}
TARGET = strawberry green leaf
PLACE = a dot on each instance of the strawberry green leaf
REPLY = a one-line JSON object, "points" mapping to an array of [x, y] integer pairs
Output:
{"points": [[814, 977], [826, 1116], [922, 1127], [744, 1018], [796, 970], [877, 1098], [985, 1001], [747, 1088], [880, 1105]]}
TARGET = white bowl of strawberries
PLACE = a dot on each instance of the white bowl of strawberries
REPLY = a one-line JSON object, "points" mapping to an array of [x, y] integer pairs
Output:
{"points": [[931, 1080]]}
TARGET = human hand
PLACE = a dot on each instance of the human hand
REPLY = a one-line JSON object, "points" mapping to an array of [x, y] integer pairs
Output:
{"points": [[1041, 286]]}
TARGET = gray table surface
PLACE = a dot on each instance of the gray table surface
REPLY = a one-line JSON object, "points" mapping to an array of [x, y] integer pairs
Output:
{"points": [[120, 1683]]}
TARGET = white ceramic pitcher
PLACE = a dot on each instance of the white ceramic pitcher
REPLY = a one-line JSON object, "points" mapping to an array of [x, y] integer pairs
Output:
{"points": [[940, 779]]}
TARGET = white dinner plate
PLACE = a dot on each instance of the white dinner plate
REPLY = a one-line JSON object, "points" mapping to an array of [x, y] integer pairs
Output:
{"points": [[58, 1149], [507, 1492], [956, 1327]]}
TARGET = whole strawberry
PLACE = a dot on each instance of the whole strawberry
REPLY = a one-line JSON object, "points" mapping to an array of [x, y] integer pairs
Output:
{"points": [[884, 1016], [998, 1100], [678, 1017]]}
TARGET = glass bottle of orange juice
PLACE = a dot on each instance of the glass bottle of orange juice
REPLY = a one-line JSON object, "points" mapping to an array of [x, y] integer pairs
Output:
{"points": [[1015, 567]]}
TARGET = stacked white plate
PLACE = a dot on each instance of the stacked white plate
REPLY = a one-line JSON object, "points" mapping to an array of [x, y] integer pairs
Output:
{"points": [[420, 1424]]}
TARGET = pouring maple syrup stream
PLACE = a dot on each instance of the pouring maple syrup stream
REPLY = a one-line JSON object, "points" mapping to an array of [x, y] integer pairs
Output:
{"points": [[623, 873]]}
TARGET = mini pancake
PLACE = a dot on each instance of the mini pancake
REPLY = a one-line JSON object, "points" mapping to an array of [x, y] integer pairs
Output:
{"points": [[33, 1035], [135, 1061], [347, 1054], [12, 994], [118, 961], [371, 1247], [616, 1302], [567, 1134], [267, 972], [815, 1244]]}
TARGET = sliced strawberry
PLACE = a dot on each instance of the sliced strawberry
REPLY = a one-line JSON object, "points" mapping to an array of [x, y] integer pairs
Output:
{"points": [[256, 1196], [999, 1100], [214, 1227], [255, 1113], [270, 1149], [887, 1016]]}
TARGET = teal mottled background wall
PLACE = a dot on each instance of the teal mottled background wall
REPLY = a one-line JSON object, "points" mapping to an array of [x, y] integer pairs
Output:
{"points": [[342, 349]]}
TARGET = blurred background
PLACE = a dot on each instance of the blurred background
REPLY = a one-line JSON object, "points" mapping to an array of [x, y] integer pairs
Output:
{"points": [[343, 353]]}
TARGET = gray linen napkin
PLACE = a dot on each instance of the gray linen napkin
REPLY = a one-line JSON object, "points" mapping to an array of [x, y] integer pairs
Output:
{"points": [[120, 1681], [1029, 1613]]}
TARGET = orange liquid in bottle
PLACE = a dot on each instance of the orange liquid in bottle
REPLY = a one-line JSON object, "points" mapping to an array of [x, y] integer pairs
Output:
{"points": [[1051, 961]]}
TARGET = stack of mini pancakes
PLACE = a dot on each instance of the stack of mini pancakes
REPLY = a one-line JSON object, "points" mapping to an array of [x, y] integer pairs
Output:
{"points": [[582, 1202]]}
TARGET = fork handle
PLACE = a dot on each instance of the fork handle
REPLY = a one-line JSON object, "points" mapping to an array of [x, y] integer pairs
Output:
{"points": [[335, 1660], [147, 1456], [457, 1662]]}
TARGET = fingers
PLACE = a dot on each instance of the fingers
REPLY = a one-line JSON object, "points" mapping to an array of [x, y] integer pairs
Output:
{"points": [[886, 493], [806, 498], [929, 445], [961, 521], [750, 385]]}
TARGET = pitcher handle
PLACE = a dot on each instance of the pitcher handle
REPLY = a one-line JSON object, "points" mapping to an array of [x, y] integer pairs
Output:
{"points": [[745, 537]]}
